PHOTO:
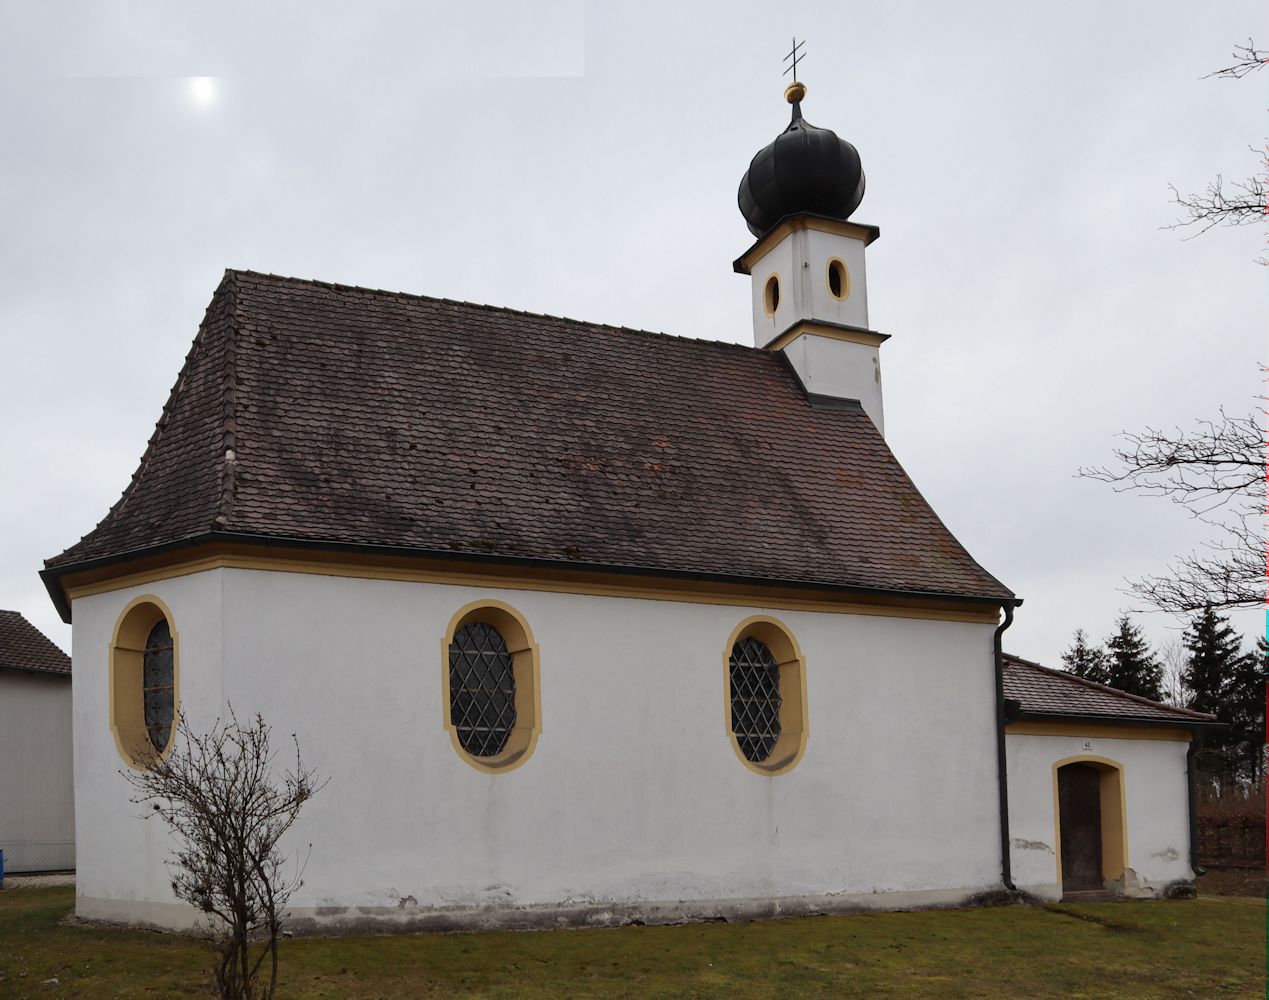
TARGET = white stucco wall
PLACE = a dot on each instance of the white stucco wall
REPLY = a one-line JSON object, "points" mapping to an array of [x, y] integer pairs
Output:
{"points": [[1156, 798], [633, 798], [119, 855], [37, 816]]}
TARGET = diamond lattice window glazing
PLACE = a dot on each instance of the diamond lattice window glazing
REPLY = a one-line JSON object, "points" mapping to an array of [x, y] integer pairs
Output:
{"points": [[157, 686], [482, 689], [755, 698]]}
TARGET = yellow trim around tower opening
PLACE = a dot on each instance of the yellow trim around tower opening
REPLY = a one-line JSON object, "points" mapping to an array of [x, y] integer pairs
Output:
{"points": [[843, 279], [771, 294]]}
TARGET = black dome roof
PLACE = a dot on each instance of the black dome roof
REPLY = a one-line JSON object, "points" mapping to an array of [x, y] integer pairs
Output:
{"points": [[806, 169]]}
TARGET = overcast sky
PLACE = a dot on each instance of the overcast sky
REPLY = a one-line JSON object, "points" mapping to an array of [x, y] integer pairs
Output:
{"points": [[582, 159]]}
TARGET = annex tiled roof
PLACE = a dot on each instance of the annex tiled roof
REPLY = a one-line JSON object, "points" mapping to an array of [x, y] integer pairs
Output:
{"points": [[25, 647], [329, 413], [1044, 691]]}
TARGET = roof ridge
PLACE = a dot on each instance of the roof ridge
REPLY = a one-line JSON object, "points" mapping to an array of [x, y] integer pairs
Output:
{"points": [[229, 404], [486, 307], [1068, 676]]}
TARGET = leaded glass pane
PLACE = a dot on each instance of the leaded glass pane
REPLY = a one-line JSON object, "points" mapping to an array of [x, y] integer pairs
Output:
{"points": [[157, 687], [755, 698], [482, 689]]}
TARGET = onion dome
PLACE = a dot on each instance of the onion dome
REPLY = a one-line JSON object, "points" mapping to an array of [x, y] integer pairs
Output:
{"points": [[806, 170]]}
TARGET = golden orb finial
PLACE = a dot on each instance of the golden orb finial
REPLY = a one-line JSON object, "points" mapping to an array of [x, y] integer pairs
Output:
{"points": [[795, 92]]}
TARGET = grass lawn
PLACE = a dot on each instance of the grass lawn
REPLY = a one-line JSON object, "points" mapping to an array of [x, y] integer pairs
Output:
{"points": [[1204, 948]]}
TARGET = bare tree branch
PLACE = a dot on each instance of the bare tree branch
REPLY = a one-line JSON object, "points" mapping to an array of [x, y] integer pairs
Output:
{"points": [[1172, 656], [1232, 577], [1215, 470], [1242, 203], [1216, 464], [1247, 59]]}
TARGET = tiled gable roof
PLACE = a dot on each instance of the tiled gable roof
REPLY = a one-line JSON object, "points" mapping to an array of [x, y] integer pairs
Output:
{"points": [[25, 647], [1044, 691], [332, 414]]}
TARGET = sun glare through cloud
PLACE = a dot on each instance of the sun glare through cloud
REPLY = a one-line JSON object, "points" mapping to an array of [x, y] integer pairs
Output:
{"points": [[202, 89]]}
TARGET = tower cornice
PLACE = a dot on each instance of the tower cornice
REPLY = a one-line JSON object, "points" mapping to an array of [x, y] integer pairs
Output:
{"points": [[867, 234], [823, 328]]}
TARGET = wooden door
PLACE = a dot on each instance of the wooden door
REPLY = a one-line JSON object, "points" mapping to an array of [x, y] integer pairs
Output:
{"points": [[1080, 826]]}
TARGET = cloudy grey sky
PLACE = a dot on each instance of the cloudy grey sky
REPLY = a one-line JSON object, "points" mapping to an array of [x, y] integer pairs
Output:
{"points": [[582, 159]]}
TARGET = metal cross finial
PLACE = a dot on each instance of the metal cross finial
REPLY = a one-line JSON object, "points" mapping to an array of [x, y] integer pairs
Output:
{"points": [[794, 56]]}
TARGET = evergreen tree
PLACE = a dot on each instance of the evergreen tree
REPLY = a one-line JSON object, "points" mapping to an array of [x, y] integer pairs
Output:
{"points": [[1131, 664], [1086, 661], [1213, 654], [1244, 709]]}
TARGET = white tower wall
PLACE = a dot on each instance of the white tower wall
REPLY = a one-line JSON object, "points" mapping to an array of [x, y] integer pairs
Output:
{"points": [[800, 263], [840, 369], [823, 330]]}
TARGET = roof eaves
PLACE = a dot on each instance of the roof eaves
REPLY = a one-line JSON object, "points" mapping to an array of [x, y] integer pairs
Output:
{"points": [[51, 575], [1097, 719], [44, 671]]}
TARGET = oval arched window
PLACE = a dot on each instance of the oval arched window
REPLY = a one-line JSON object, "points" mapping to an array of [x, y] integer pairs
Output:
{"points": [[755, 698], [482, 689], [158, 689], [838, 279], [145, 680], [771, 295], [765, 676]]}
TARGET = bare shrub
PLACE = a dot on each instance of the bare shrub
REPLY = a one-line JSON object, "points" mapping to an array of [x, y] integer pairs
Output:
{"points": [[221, 795]]}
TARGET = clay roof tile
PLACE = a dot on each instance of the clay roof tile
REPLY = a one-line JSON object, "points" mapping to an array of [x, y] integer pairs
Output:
{"points": [[335, 414], [25, 647], [1045, 691]]}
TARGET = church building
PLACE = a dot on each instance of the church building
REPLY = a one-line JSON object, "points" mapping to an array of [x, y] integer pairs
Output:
{"points": [[584, 624]]}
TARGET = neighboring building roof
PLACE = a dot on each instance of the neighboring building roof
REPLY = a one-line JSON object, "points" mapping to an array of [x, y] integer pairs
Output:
{"points": [[1044, 692], [25, 647], [331, 414]]}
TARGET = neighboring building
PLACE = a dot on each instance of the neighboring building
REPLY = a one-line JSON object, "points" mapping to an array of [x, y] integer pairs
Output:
{"points": [[37, 788], [584, 624], [1101, 789]]}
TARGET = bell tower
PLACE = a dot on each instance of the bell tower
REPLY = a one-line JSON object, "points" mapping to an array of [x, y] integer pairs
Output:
{"points": [[807, 268]]}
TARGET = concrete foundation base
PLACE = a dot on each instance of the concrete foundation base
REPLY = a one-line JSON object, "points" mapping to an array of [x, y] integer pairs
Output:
{"points": [[412, 918]]}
